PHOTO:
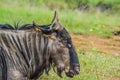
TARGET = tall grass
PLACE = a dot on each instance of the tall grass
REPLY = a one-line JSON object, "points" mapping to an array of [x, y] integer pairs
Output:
{"points": [[95, 23]]}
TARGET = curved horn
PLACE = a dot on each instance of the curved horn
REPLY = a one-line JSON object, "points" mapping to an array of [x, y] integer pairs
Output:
{"points": [[55, 17], [55, 25]]}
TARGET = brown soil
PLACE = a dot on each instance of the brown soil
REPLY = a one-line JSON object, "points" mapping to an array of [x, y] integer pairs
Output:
{"points": [[103, 45]]}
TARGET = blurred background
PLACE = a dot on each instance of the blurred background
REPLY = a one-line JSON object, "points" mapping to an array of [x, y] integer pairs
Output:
{"points": [[94, 26]]}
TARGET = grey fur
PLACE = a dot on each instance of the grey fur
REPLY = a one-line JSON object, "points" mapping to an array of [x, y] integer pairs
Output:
{"points": [[27, 54]]}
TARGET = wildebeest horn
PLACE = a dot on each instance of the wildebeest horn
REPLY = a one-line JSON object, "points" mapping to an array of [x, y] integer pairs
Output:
{"points": [[55, 17], [55, 25]]}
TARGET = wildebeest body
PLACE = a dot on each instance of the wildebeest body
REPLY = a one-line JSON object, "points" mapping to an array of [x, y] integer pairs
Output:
{"points": [[26, 53], [30, 49]]}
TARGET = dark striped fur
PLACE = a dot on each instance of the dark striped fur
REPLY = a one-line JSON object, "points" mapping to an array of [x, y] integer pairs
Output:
{"points": [[27, 53]]}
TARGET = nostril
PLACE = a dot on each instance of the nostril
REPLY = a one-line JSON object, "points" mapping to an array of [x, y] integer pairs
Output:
{"points": [[77, 70]]}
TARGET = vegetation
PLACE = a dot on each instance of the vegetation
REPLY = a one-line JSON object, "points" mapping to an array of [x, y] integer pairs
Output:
{"points": [[87, 22], [94, 66], [90, 21]]}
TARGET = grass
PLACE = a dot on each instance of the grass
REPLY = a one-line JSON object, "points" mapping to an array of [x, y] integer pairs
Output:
{"points": [[94, 22], [94, 66]]}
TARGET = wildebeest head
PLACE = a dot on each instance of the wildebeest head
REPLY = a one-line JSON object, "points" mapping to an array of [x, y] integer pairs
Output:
{"points": [[65, 38], [58, 54]]}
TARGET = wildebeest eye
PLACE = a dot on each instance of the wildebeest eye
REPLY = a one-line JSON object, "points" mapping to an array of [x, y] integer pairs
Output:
{"points": [[69, 45]]}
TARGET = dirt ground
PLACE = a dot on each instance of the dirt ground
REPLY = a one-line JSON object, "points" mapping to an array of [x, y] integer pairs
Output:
{"points": [[109, 45]]}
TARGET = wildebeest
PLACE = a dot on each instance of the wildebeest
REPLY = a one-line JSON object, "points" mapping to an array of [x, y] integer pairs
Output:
{"points": [[63, 35], [30, 50]]}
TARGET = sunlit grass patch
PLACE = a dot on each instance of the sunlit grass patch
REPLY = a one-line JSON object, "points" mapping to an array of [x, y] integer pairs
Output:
{"points": [[100, 24], [94, 66]]}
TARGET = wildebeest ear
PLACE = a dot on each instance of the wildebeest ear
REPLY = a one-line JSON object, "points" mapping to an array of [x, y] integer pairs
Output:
{"points": [[36, 27], [55, 25]]}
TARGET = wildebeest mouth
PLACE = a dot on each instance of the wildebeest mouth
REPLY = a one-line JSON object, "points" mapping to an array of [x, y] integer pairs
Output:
{"points": [[74, 71], [69, 73]]}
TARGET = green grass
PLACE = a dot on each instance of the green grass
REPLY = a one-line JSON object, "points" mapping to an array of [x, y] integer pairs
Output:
{"points": [[94, 22], [94, 66]]}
